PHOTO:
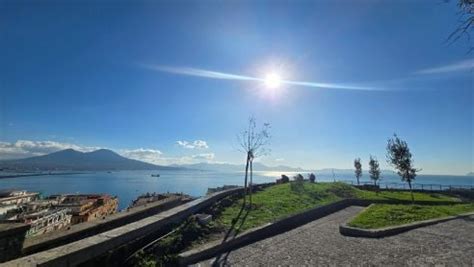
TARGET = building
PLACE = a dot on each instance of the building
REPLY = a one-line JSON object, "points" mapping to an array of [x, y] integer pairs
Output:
{"points": [[45, 220], [13, 200], [16, 197], [84, 208]]}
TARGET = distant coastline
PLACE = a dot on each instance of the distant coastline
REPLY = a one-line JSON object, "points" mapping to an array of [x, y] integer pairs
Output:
{"points": [[37, 174]]}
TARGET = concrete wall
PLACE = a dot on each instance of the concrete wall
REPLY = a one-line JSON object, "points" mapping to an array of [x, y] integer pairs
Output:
{"points": [[86, 249], [12, 236]]}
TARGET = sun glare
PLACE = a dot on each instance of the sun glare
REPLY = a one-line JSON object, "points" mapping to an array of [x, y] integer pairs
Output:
{"points": [[272, 81]]}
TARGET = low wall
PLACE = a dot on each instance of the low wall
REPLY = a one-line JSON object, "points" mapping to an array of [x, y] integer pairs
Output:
{"points": [[86, 249], [394, 230], [86, 229], [11, 239]]}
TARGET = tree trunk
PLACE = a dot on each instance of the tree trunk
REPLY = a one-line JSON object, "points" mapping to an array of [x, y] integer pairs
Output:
{"points": [[251, 182], [358, 181], [246, 176], [411, 192]]}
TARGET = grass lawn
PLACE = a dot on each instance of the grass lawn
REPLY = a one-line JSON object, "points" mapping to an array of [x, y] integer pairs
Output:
{"points": [[383, 215], [283, 200], [404, 195]]}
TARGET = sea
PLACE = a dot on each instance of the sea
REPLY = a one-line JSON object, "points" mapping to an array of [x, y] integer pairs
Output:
{"points": [[128, 185]]}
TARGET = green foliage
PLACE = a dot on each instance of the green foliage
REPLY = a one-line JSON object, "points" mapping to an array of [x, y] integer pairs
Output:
{"points": [[284, 179], [358, 169], [374, 170], [145, 260], [298, 177], [166, 250], [399, 156], [381, 215]]}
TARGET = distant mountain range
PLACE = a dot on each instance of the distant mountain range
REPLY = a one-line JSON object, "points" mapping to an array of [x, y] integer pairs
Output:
{"points": [[72, 160], [227, 167], [470, 174], [107, 160]]}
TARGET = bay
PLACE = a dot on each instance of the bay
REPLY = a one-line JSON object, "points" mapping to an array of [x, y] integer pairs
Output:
{"points": [[127, 185]]}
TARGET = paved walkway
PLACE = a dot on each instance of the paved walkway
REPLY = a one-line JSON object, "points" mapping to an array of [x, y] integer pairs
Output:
{"points": [[319, 243]]}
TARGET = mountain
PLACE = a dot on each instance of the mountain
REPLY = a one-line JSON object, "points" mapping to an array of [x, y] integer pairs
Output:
{"points": [[72, 160], [227, 167], [470, 174]]}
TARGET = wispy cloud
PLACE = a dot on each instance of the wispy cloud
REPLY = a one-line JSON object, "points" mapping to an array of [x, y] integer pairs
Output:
{"points": [[144, 154], [27, 148], [211, 74], [197, 144], [464, 65]]}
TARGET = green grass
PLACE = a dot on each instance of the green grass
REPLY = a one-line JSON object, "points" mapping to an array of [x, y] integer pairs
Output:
{"points": [[283, 200], [383, 215], [404, 195]]}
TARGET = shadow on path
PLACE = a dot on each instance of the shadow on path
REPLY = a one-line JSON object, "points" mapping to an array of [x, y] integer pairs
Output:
{"points": [[233, 231]]}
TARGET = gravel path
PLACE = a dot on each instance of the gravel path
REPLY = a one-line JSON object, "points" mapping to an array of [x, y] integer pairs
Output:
{"points": [[319, 243]]}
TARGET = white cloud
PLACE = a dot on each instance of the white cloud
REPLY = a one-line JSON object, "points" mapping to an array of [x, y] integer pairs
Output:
{"points": [[204, 156], [212, 74], [27, 148], [463, 65], [197, 144], [279, 159], [148, 155]]}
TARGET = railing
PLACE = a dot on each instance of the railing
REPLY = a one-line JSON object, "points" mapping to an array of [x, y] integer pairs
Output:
{"points": [[415, 186]]}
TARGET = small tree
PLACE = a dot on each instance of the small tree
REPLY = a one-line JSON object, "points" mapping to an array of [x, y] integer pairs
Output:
{"points": [[399, 156], [312, 178], [253, 143], [358, 169], [374, 170], [298, 177], [285, 179]]}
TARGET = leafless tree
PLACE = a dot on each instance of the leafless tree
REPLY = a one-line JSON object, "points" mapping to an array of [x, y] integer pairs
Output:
{"points": [[466, 22], [253, 142]]}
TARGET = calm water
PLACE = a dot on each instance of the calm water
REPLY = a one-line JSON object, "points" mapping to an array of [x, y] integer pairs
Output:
{"points": [[127, 185]]}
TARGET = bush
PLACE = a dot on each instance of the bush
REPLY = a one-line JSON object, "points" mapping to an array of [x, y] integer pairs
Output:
{"points": [[298, 177], [312, 178], [283, 180]]}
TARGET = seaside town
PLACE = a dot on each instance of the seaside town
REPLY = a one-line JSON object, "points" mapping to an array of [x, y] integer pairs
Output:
{"points": [[55, 212]]}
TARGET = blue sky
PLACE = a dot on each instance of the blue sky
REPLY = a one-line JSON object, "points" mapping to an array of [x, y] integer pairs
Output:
{"points": [[132, 77]]}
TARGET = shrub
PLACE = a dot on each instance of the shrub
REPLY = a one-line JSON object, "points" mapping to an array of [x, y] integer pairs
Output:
{"points": [[312, 178], [283, 180], [298, 177]]}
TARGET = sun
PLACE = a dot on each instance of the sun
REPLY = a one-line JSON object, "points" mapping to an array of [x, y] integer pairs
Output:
{"points": [[272, 80]]}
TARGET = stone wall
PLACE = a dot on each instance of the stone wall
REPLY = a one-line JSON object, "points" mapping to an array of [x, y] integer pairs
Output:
{"points": [[84, 250], [12, 236], [86, 229]]}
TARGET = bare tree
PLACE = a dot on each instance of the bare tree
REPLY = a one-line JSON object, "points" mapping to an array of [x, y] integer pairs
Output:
{"points": [[466, 22], [253, 142], [374, 170], [399, 156], [358, 169]]}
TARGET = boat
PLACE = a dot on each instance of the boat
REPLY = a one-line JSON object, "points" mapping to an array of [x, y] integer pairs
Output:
{"points": [[155, 175]]}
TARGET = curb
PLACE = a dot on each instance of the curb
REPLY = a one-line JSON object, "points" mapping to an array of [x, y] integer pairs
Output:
{"points": [[347, 230]]}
